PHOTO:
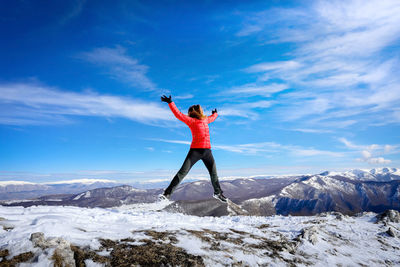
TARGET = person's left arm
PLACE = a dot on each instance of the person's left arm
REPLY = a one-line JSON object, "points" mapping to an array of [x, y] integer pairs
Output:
{"points": [[214, 115]]}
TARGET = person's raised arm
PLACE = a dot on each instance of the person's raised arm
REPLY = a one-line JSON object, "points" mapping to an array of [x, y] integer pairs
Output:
{"points": [[179, 115], [213, 116]]}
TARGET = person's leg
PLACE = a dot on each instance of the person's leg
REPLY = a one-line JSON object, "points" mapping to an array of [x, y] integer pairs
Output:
{"points": [[209, 161], [192, 157]]}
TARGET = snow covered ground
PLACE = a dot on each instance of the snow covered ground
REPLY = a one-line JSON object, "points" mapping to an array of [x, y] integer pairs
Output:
{"points": [[324, 240]]}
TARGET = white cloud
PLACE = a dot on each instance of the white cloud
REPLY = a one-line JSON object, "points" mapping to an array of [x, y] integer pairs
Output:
{"points": [[23, 103], [245, 110], [265, 148], [278, 65], [389, 148], [187, 96], [367, 157], [350, 144], [120, 66], [170, 141], [237, 112], [371, 154], [378, 160], [315, 152], [366, 154], [341, 64], [311, 130], [254, 89]]}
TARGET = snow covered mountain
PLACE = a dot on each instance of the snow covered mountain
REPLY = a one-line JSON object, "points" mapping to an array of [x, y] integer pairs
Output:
{"points": [[24, 190], [318, 193], [295, 195], [377, 174], [241, 188]]}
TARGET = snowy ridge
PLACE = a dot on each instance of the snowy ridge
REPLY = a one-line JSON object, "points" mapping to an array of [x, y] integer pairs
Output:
{"points": [[377, 174]]}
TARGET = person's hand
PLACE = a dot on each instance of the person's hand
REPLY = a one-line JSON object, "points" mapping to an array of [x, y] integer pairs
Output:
{"points": [[214, 111], [164, 98]]}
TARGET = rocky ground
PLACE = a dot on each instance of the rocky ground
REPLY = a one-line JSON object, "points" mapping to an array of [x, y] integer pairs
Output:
{"points": [[143, 235]]}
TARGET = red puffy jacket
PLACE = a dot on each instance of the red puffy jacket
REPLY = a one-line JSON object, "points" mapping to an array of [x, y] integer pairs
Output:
{"points": [[199, 128]]}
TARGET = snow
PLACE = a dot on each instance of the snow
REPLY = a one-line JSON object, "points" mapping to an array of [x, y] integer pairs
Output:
{"points": [[79, 196], [329, 184], [375, 174], [86, 194], [6, 183], [90, 263], [350, 241]]}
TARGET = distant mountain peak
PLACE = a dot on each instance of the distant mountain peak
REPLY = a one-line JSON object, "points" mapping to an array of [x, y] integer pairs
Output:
{"points": [[6, 183], [376, 174], [83, 181]]}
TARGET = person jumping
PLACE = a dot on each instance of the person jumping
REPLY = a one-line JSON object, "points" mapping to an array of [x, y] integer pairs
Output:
{"points": [[199, 149]]}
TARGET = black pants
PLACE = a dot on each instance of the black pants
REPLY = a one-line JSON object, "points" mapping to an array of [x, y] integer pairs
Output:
{"points": [[194, 155]]}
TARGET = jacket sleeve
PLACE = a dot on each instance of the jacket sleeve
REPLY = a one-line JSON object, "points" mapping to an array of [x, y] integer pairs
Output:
{"points": [[212, 117], [179, 115]]}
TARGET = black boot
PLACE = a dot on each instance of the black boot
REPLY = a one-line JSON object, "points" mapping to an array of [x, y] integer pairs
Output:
{"points": [[164, 197], [220, 197]]}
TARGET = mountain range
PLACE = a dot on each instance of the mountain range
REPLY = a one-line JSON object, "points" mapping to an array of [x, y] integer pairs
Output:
{"points": [[348, 192], [10, 190]]}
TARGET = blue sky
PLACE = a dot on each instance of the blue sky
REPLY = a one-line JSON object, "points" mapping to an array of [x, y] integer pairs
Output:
{"points": [[300, 87]]}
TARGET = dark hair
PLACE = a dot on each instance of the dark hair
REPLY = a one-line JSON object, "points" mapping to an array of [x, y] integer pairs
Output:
{"points": [[196, 112]]}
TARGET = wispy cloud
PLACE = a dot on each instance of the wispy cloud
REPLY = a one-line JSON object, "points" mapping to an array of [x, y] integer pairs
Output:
{"points": [[311, 130], [255, 89], [264, 148], [373, 153], [23, 103], [343, 64], [170, 141], [245, 110], [120, 66], [186, 96], [76, 10]]}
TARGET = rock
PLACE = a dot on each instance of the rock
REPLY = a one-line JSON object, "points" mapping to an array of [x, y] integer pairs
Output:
{"points": [[389, 216], [234, 209], [308, 234], [207, 207], [339, 216], [62, 256], [391, 232], [38, 240], [4, 253], [25, 257]]}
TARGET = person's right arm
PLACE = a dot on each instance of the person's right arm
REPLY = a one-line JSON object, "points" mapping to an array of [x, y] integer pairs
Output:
{"points": [[179, 115]]}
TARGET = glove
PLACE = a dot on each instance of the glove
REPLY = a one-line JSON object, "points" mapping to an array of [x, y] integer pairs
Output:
{"points": [[164, 98], [214, 111]]}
